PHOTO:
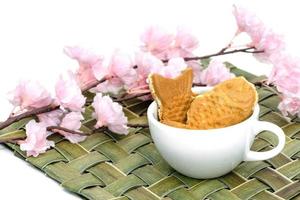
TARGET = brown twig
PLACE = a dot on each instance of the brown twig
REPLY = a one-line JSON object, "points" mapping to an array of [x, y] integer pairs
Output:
{"points": [[101, 129], [59, 128], [137, 125], [27, 114], [222, 52], [130, 97], [92, 85], [260, 83], [270, 86], [263, 82], [14, 141], [198, 85], [55, 129]]}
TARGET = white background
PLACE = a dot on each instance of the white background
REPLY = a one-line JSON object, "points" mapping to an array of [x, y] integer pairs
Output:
{"points": [[33, 34]]}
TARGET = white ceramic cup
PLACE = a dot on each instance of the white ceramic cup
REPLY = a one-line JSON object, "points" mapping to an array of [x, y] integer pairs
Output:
{"points": [[214, 152]]}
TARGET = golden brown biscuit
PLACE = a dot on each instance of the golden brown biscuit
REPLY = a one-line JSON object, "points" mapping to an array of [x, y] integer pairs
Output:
{"points": [[229, 103], [175, 124], [173, 96]]}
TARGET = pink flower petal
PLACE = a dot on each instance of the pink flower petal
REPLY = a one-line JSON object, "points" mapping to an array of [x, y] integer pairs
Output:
{"points": [[197, 69], [30, 95], [262, 37], [81, 55], [91, 66], [110, 114], [146, 64], [157, 41], [289, 105], [72, 121], [52, 118], [113, 85], [272, 44], [185, 44], [121, 66], [68, 93], [285, 75], [215, 73], [247, 21], [73, 138], [36, 141], [174, 68]]}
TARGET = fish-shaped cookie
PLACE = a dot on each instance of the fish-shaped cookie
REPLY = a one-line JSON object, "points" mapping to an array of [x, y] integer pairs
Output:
{"points": [[173, 96], [229, 103]]}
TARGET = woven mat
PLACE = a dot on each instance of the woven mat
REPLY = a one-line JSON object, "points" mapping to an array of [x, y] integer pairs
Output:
{"points": [[109, 166]]}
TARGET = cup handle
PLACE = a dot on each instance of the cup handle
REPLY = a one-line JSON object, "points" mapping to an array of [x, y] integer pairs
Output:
{"points": [[266, 126]]}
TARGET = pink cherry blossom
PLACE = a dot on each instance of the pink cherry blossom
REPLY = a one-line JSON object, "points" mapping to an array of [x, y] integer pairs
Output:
{"points": [[263, 38], [112, 85], [68, 93], [91, 66], [72, 121], [110, 114], [36, 141], [121, 66], [285, 75], [157, 41], [197, 69], [174, 68], [185, 44], [290, 105], [215, 73], [249, 23], [146, 63], [52, 118], [30, 95], [271, 43]]}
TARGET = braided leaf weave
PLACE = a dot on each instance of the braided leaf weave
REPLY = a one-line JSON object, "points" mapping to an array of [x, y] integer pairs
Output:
{"points": [[109, 166]]}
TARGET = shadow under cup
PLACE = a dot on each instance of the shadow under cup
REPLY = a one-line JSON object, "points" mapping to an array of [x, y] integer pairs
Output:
{"points": [[214, 152]]}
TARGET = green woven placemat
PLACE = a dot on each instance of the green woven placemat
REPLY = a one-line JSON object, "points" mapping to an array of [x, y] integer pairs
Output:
{"points": [[109, 166]]}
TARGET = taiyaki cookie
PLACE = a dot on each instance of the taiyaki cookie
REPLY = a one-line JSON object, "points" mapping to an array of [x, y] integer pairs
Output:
{"points": [[229, 103], [173, 96]]}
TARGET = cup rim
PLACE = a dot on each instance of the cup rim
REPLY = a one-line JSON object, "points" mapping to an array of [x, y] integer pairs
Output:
{"points": [[152, 110]]}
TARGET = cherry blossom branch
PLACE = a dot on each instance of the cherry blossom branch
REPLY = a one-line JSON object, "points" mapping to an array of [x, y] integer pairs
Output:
{"points": [[14, 141], [52, 107], [261, 82], [269, 87], [27, 114], [137, 125], [59, 128], [129, 97], [45, 109], [130, 125], [224, 52], [92, 85], [54, 129], [230, 42]]}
